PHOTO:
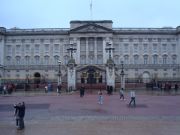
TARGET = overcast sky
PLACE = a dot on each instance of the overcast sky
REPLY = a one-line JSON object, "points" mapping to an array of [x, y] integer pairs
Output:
{"points": [[58, 13]]}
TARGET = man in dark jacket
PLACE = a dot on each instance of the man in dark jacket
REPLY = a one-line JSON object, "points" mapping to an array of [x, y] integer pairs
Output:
{"points": [[20, 113]]}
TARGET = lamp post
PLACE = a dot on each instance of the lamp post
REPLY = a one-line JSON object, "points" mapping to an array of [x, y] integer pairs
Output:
{"points": [[109, 49], [122, 76], [59, 73]]}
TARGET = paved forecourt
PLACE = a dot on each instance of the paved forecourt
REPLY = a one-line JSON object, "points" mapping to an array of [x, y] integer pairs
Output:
{"points": [[70, 114]]}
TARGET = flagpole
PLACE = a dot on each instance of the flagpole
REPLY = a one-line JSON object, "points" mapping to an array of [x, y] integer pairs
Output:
{"points": [[91, 14]]}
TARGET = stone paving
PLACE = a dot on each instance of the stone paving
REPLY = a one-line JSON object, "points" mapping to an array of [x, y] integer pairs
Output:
{"points": [[69, 114]]}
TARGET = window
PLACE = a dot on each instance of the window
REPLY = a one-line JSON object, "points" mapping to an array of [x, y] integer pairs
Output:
{"points": [[37, 60], [99, 44], [135, 48], [126, 46], [136, 59], [164, 59], [164, 48], [91, 44], [8, 58], [46, 60], [36, 48], [91, 59], [83, 59], [18, 60], [116, 59], [145, 48], [126, 59], [27, 48], [145, 59], [155, 48], [56, 59], [46, 47], [174, 59], [116, 48], [9, 49], [18, 49], [174, 48], [27, 60], [155, 59], [99, 59], [66, 59], [56, 47]]}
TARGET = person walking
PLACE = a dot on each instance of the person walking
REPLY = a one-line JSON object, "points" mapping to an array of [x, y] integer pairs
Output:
{"points": [[100, 98], [20, 113], [59, 89], [121, 92], [132, 94], [82, 90], [176, 88], [16, 113]]}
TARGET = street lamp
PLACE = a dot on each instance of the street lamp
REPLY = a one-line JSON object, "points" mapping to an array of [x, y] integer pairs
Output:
{"points": [[59, 73], [109, 49], [122, 76]]}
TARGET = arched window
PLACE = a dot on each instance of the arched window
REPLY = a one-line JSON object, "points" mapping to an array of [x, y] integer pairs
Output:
{"points": [[99, 59], [8, 59], [83, 59]]}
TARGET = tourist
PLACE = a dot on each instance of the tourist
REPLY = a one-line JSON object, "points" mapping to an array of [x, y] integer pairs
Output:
{"points": [[121, 93], [132, 94], [100, 98]]}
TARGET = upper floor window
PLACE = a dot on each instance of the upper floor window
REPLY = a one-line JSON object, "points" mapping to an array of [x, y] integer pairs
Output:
{"points": [[126, 59], [27, 60], [46, 47], [116, 59], [9, 49], [56, 59], [155, 59], [91, 44], [83, 59], [46, 60], [37, 48], [164, 59], [174, 48], [99, 59], [18, 48], [8, 59], [37, 60], [56, 47], [18, 60], [126, 48], [136, 59], [174, 59], [164, 48], [145, 59], [145, 48], [27, 48], [155, 48], [135, 48], [99, 44], [91, 59]]}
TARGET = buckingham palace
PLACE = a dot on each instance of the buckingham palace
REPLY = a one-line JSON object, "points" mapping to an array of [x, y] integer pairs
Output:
{"points": [[89, 52]]}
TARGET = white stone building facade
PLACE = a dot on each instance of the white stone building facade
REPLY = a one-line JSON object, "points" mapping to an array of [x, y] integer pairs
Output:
{"points": [[147, 53]]}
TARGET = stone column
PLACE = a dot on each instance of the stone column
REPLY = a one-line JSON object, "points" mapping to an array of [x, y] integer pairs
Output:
{"points": [[95, 50], [78, 51]]}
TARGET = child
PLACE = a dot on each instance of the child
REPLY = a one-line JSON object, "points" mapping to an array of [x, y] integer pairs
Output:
{"points": [[100, 99]]}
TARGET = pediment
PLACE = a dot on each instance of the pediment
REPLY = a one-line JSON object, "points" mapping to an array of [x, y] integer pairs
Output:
{"points": [[91, 28]]}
